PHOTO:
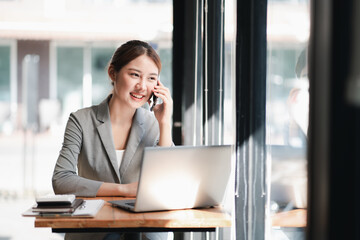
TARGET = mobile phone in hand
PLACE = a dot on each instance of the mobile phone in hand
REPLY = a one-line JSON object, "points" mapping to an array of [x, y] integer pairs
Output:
{"points": [[154, 98]]}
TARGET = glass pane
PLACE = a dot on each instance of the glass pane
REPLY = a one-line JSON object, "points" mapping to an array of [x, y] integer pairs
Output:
{"points": [[4, 73], [101, 83], [229, 99], [229, 71], [5, 121], [287, 115], [69, 78], [166, 68]]}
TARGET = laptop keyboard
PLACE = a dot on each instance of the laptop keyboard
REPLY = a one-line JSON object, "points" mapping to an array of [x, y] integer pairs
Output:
{"points": [[130, 204]]}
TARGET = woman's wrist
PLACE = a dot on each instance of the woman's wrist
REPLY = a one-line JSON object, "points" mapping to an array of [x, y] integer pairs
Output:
{"points": [[165, 125], [120, 190], [115, 189], [165, 139]]}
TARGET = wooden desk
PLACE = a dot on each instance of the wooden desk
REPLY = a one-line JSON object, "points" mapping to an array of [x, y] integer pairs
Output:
{"points": [[291, 219], [110, 218]]}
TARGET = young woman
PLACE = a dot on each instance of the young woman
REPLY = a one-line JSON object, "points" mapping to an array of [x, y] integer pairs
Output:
{"points": [[103, 144]]}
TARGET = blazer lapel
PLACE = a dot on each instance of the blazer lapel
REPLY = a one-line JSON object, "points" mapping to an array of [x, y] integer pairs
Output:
{"points": [[105, 133], [136, 134]]}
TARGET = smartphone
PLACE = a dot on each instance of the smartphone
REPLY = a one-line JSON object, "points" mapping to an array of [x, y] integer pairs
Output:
{"points": [[154, 98]]}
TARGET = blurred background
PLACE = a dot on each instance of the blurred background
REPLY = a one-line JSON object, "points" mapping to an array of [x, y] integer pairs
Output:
{"points": [[53, 57]]}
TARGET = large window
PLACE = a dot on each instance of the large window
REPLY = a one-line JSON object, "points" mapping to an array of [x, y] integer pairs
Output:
{"points": [[287, 109]]}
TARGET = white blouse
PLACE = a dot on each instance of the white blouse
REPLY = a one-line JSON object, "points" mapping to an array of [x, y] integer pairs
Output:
{"points": [[119, 156]]}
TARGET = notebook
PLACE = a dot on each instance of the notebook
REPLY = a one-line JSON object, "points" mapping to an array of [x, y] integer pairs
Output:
{"points": [[88, 209], [59, 208], [54, 200], [181, 177]]}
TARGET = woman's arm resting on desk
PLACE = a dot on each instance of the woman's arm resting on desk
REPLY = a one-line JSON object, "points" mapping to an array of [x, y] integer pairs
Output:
{"points": [[114, 189]]}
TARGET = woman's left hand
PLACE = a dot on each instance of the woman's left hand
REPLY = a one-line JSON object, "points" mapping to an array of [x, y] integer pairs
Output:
{"points": [[163, 112]]}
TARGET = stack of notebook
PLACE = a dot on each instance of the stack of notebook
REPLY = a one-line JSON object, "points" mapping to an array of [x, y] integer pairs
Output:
{"points": [[64, 206], [57, 204]]}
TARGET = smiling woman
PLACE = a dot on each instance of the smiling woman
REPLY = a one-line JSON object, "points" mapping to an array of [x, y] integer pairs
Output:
{"points": [[136, 80], [133, 70], [94, 136]]}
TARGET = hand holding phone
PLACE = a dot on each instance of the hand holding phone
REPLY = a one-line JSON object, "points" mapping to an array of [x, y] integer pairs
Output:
{"points": [[163, 108], [154, 100]]}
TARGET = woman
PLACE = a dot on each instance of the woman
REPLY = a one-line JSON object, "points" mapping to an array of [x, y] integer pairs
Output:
{"points": [[103, 144]]}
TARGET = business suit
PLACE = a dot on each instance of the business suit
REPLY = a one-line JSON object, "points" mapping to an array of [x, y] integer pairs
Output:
{"points": [[89, 147]]}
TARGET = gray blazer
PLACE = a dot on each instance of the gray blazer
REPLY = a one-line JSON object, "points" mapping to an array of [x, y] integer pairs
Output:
{"points": [[87, 157]]}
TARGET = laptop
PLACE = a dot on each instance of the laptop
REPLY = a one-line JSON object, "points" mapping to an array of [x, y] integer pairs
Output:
{"points": [[181, 177]]}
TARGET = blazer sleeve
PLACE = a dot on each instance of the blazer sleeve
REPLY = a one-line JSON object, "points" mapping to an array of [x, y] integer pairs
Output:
{"points": [[65, 179]]}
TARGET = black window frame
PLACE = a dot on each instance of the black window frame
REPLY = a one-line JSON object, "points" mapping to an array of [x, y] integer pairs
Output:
{"points": [[198, 65]]}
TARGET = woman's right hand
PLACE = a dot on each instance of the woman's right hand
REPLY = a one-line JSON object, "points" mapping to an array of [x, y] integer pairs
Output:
{"points": [[129, 189], [115, 189]]}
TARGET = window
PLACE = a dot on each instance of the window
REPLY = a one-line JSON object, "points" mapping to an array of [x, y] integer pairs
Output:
{"points": [[165, 53], [70, 78], [4, 87], [287, 105], [101, 83], [7, 87], [5, 73]]}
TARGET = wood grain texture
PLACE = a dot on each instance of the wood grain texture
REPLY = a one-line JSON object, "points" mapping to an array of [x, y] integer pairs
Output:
{"points": [[293, 218], [112, 217]]}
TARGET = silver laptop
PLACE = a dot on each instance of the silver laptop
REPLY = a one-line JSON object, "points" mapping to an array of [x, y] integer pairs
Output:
{"points": [[181, 177]]}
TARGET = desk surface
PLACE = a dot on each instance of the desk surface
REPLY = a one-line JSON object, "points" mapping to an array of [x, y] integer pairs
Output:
{"points": [[294, 218], [112, 217]]}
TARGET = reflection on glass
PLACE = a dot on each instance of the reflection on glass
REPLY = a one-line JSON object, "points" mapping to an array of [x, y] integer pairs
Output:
{"points": [[287, 111]]}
